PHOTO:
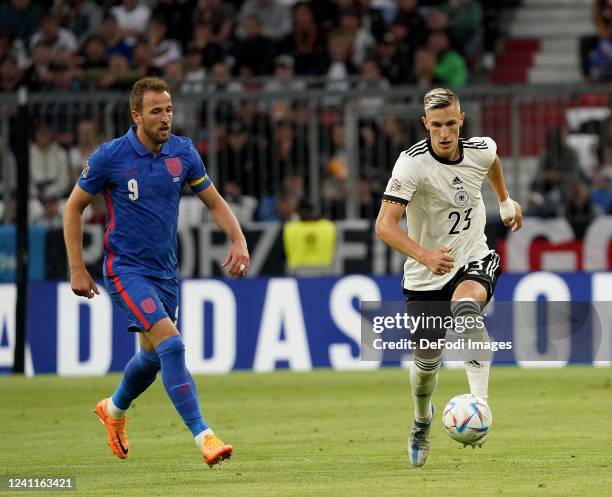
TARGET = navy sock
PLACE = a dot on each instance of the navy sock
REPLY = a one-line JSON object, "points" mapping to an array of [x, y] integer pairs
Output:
{"points": [[179, 384], [139, 374]]}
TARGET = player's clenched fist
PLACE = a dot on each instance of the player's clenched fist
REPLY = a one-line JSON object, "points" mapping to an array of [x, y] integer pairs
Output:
{"points": [[438, 261], [515, 220], [82, 284]]}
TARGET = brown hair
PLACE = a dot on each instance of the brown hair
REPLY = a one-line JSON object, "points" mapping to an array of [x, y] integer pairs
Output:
{"points": [[144, 85]]}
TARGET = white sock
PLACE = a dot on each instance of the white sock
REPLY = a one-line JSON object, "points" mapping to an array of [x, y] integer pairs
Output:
{"points": [[113, 411], [199, 438], [478, 377], [477, 362], [423, 380]]}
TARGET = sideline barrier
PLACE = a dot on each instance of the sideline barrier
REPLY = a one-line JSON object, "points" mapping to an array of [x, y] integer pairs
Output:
{"points": [[257, 324]]}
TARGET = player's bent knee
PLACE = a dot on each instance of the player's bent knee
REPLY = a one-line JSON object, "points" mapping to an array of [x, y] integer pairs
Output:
{"points": [[470, 289], [162, 330]]}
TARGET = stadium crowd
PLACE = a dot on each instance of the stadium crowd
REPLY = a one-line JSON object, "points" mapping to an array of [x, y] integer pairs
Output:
{"points": [[82, 46]]}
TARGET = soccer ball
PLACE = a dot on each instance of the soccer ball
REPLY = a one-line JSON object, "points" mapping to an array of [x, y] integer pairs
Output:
{"points": [[467, 419]]}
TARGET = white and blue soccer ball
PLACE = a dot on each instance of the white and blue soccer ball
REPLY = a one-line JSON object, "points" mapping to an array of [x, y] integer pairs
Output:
{"points": [[467, 419]]}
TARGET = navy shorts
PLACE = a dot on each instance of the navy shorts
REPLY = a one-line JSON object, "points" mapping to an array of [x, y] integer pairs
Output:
{"points": [[144, 300]]}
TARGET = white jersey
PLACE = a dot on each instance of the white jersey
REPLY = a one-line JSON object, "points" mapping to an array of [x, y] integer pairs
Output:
{"points": [[444, 205]]}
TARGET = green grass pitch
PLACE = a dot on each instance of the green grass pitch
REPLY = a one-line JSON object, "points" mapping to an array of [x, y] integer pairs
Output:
{"points": [[322, 433]]}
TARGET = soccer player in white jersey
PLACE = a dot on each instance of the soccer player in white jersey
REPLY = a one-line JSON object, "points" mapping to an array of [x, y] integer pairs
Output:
{"points": [[438, 183]]}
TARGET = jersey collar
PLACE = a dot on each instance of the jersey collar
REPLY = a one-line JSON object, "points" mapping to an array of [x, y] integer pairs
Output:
{"points": [[442, 159], [139, 147]]}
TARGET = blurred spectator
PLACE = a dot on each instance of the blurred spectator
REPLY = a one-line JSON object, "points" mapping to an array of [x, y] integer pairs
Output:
{"points": [[82, 17], [9, 45], [178, 16], [334, 185], [409, 17], [194, 80], [600, 67], [361, 40], [602, 15], [437, 20], [451, 68], [243, 206], [601, 190], [309, 242], [393, 65], [424, 70], [8, 170], [163, 49], [119, 76], [115, 40], [306, 41], [284, 76], [56, 37], [325, 12], [94, 62], [87, 141], [203, 39], [62, 79], [465, 24], [557, 169], [579, 210], [38, 75], [219, 15], [372, 79], [141, 60], [254, 50], [51, 216], [286, 207], [220, 79], [336, 65], [21, 18], [275, 18], [49, 166], [133, 18], [284, 154], [372, 19], [10, 75]]}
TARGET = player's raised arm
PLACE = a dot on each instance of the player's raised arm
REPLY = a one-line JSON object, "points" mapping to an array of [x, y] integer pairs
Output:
{"points": [[237, 259], [80, 280], [509, 210], [387, 229]]}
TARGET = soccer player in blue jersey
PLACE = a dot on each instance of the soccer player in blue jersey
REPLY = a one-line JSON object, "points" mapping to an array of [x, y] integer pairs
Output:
{"points": [[142, 175]]}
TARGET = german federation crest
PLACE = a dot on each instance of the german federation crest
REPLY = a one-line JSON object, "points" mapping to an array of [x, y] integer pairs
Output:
{"points": [[462, 198]]}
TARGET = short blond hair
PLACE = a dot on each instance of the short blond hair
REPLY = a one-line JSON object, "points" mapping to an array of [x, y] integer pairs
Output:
{"points": [[144, 85], [439, 98]]}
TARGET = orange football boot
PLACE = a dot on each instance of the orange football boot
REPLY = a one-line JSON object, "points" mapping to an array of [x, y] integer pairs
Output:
{"points": [[214, 450], [117, 439]]}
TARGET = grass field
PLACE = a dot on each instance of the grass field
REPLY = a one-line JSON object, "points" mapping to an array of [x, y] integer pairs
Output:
{"points": [[323, 433]]}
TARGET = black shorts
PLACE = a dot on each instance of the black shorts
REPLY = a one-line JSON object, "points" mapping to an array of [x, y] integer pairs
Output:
{"points": [[437, 302]]}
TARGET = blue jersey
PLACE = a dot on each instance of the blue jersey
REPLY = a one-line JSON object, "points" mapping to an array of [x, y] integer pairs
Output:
{"points": [[142, 194]]}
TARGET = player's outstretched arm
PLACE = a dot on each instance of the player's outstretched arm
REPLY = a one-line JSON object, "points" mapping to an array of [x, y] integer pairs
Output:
{"points": [[80, 280], [437, 261], [510, 211], [237, 259]]}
